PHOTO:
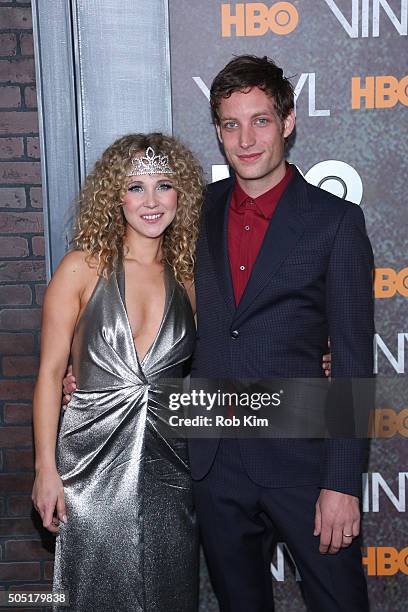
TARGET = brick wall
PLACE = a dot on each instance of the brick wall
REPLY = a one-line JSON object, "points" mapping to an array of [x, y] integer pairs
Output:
{"points": [[25, 548]]}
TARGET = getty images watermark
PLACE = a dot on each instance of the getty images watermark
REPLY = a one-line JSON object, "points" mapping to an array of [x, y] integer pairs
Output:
{"points": [[267, 408], [196, 399]]}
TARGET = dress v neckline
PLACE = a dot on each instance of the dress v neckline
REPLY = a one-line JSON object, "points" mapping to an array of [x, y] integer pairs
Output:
{"points": [[121, 282]]}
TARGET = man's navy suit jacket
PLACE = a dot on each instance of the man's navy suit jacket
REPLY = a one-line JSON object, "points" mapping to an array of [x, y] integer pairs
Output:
{"points": [[312, 280]]}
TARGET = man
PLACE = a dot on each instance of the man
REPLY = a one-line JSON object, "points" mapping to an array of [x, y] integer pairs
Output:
{"points": [[281, 266]]}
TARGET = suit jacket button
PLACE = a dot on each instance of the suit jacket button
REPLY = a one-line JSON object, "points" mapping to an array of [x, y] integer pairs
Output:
{"points": [[234, 334]]}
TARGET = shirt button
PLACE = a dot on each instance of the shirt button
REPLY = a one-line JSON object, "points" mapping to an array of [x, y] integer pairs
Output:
{"points": [[242, 267], [235, 334], [247, 228]]}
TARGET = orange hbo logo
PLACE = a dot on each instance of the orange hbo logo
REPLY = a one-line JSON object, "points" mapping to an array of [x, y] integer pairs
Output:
{"points": [[385, 561], [256, 18], [378, 92], [387, 423], [388, 282]]}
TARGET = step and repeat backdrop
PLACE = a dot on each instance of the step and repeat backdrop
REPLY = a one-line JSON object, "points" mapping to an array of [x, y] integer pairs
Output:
{"points": [[347, 60]]}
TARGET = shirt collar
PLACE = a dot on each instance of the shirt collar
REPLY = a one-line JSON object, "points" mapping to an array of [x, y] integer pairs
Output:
{"points": [[265, 203]]}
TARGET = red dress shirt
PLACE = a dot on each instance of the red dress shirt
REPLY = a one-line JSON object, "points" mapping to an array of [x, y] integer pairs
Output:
{"points": [[248, 220]]}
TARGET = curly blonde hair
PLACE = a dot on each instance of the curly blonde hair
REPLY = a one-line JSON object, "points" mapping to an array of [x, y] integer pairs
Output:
{"points": [[101, 225]]}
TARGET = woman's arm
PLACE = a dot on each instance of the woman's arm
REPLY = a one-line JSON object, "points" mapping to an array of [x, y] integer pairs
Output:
{"points": [[62, 304]]}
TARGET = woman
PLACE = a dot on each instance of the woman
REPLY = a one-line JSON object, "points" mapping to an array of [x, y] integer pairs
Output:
{"points": [[119, 494]]}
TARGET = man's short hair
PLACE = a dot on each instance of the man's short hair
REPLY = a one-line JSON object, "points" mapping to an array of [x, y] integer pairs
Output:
{"points": [[247, 71]]}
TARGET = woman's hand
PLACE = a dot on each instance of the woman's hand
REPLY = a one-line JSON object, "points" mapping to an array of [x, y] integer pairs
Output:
{"points": [[48, 499]]}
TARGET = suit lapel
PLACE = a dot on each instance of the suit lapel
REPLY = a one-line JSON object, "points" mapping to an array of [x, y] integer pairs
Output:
{"points": [[284, 230], [217, 234]]}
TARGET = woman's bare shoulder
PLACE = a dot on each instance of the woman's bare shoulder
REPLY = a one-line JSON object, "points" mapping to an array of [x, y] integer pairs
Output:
{"points": [[77, 262], [75, 268]]}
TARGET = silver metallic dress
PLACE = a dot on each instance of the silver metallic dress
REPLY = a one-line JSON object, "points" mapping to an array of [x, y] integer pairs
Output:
{"points": [[130, 543]]}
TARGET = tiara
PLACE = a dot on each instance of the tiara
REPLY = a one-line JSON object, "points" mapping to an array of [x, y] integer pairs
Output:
{"points": [[150, 163]]}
